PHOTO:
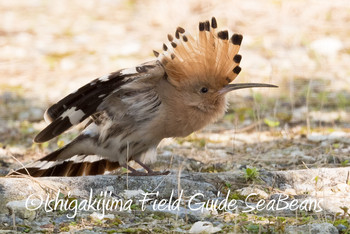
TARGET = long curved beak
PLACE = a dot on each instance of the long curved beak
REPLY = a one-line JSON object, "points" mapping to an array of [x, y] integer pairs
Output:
{"points": [[232, 87]]}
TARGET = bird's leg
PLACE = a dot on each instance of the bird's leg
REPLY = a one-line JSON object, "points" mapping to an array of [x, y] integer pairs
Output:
{"points": [[147, 168], [150, 172]]}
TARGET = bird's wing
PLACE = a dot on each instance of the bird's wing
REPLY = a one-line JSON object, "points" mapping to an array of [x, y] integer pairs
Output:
{"points": [[79, 105]]}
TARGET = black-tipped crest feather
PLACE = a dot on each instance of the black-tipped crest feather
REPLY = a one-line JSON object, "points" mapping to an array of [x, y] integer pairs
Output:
{"points": [[210, 56]]}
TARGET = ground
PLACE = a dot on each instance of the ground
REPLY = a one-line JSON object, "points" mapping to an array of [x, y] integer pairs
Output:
{"points": [[50, 48]]}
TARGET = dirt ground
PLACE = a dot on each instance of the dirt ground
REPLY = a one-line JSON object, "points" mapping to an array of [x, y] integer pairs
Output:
{"points": [[50, 48]]}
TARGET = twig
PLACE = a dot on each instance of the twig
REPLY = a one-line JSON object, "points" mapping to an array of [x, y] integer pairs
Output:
{"points": [[127, 164], [249, 127], [305, 165], [14, 221], [307, 108], [42, 184], [19, 163]]}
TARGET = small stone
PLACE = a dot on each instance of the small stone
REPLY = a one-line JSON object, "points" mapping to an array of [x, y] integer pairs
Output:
{"points": [[24, 209], [290, 191], [67, 64], [314, 228], [7, 220], [35, 114], [167, 153], [192, 215], [133, 193], [249, 190], [203, 227], [299, 113], [42, 222], [327, 46], [300, 156], [23, 116], [339, 136], [4, 218], [316, 137], [334, 136], [101, 217], [62, 219], [341, 227], [32, 115], [110, 189]]}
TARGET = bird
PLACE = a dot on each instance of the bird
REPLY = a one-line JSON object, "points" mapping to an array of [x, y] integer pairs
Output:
{"points": [[131, 110]]}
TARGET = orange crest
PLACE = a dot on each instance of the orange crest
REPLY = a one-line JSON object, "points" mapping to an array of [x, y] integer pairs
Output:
{"points": [[212, 57]]}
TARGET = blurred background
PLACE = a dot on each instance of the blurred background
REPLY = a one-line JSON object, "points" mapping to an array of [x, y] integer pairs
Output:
{"points": [[50, 48]]}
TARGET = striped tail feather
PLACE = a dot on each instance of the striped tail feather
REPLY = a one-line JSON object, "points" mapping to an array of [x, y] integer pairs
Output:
{"points": [[74, 159], [78, 165]]}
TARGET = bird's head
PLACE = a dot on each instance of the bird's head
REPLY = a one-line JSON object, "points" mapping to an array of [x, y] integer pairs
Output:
{"points": [[203, 67]]}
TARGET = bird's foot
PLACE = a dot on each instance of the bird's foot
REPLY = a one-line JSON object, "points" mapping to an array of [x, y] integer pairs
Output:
{"points": [[149, 172]]}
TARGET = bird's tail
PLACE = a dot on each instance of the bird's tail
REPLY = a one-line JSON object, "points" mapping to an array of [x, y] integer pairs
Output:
{"points": [[64, 162]]}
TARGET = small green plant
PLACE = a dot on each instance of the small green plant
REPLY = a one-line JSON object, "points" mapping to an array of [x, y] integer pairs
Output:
{"points": [[111, 231], [157, 217], [26, 228], [73, 223], [344, 163], [135, 207], [271, 123], [98, 222], [236, 196], [280, 224], [60, 143], [252, 228], [64, 228], [251, 174], [342, 101], [117, 221], [344, 222], [345, 210]]}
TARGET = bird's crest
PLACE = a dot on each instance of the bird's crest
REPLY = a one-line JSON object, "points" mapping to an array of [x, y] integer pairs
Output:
{"points": [[211, 56]]}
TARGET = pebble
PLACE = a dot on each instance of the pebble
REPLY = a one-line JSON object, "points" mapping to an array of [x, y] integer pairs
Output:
{"points": [[249, 190], [32, 115], [203, 227], [98, 216], [334, 136], [341, 227], [319, 228], [62, 219], [20, 208], [134, 193], [327, 46]]}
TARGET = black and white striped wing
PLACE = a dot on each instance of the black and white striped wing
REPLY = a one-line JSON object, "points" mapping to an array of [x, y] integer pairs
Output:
{"points": [[79, 105]]}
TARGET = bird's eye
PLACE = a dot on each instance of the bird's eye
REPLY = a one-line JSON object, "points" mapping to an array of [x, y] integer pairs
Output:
{"points": [[204, 90]]}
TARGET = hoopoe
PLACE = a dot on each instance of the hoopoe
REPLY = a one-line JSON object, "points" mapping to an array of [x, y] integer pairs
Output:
{"points": [[133, 109]]}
